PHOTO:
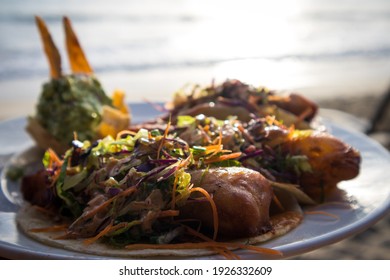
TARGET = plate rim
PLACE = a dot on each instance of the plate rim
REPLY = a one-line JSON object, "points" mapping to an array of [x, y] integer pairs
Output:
{"points": [[289, 250]]}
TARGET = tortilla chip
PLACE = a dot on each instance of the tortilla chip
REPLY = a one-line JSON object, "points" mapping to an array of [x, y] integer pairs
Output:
{"points": [[43, 138]]}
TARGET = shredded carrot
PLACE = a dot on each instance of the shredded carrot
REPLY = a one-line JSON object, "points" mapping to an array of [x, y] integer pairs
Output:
{"points": [[245, 133], [218, 140], [53, 157], [322, 213], [54, 228], [168, 213], [108, 229], [107, 202], [213, 207], [223, 157], [185, 162], [205, 245], [204, 134], [217, 147], [91, 240], [197, 233], [213, 149], [228, 254], [164, 137], [277, 202]]}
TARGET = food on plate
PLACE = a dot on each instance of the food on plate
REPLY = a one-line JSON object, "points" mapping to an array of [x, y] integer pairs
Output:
{"points": [[73, 103], [330, 159], [191, 185], [227, 167], [138, 188], [232, 189], [284, 148], [234, 98]]}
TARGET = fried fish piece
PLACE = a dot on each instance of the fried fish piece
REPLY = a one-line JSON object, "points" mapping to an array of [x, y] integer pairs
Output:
{"points": [[242, 197], [331, 160]]}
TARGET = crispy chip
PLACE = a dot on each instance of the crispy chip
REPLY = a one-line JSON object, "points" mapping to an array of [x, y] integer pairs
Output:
{"points": [[50, 48], [77, 59]]}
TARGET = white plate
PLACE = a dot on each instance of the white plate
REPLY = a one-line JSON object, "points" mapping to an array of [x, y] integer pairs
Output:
{"points": [[368, 195]]}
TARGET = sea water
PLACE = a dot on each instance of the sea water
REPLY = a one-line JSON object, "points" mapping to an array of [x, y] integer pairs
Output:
{"points": [[292, 40]]}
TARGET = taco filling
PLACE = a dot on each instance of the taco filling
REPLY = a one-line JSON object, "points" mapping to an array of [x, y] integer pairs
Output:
{"points": [[72, 103], [228, 166], [154, 187], [195, 182]]}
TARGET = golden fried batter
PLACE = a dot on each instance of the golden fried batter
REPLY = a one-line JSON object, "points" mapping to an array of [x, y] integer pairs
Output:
{"points": [[331, 160], [242, 197]]}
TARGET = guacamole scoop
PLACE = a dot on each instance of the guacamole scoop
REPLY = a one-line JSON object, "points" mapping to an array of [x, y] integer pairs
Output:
{"points": [[76, 106], [72, 103], [73, 106]]}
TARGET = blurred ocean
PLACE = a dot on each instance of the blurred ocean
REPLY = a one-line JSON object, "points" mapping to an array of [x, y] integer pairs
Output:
{"points": [[140, 35], [151, 47]]}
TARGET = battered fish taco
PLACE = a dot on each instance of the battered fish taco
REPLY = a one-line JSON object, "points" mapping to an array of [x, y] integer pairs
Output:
{"points": [[227, 168], [44, 228], [150, 193]]}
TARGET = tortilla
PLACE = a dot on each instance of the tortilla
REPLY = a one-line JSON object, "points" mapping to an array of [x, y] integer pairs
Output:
{"points": [[29, 218]]}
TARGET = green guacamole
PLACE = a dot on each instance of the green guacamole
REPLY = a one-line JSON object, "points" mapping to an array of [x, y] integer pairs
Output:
{"points": [[72, 103]]}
